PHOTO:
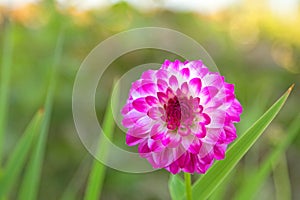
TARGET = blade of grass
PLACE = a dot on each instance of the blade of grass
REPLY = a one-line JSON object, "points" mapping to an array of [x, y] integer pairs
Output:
{"points": [[229, 181], [77, 181], [18, 157], [29, 187], [254, 182], [260, 103], [282, 179], [250, 161], [96, 177], [176, 187], [5, 78], [204, 187]]}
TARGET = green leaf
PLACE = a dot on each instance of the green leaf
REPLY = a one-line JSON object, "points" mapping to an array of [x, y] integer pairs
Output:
{"points": [[96, 177], [78, 180], [204, 187], [176, 187], [281, 179], [17, 158], [249, 189], [220, 191], [5, 78], [29, 187]]}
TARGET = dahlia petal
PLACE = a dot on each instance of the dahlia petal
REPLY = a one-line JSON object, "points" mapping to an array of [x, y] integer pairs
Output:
{"points": [[166, 64], [165, 140], [183, 159], [195, 146], [205, 118], [200, 109], [184, 88], [198, 68], [149, 74], [131, 140], [235, 110], [217, 103], [214, 135], [155, 113], [151, 100], [213, 79], [162, 85], [176, 65], [170, 94], [140, 105], [144, 121], [196, 106], [196, 101], [139, 132], [154, 145], [204, 163], [173, 82], [173, 168], [199, 130], [198, 64], [219, 151], [171, 140], [143, 88], [184, 130], [157, 131], [209, 92], [187, 141], [237, 106], [185, 73], [143, 148], [162, 97], [208, 157], [217, 119], [175, 139], [230, 132], [130, 119], [205, 150], [223, 139], [128, 122], [136, 84], [178, 152], [148, 88], [128, 107], [202, 72], [162, 74], [201, 167], [196, 84], [190, 166], [163, 158], [229, 87], [136, 90], [141, 127]]}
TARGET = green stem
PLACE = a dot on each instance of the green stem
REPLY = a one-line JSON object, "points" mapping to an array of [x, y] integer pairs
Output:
{"points": [[188, 186], [5, 73]]}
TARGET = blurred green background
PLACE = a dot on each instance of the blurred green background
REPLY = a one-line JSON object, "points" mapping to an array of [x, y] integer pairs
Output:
{"points": [[254, 46]]}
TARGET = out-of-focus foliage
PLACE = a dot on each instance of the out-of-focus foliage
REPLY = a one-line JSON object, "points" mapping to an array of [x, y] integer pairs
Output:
{"points": [[253, 48]]}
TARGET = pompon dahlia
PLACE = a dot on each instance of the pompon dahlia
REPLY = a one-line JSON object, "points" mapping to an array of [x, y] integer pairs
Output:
{"points": [[181, 116]]}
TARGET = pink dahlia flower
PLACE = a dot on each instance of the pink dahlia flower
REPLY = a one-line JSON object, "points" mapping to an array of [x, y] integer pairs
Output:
{"points": [[181, 116]]}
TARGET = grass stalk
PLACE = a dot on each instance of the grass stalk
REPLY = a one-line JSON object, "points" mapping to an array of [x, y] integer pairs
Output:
{"points": [[30, 184], [5, 79], [96, 177]]}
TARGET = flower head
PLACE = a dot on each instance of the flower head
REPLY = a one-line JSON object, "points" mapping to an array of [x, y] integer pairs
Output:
{"points": [[181, 116]]}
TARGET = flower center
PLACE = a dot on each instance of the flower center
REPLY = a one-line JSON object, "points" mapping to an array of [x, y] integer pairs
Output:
{"points": [[173, 113]]}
